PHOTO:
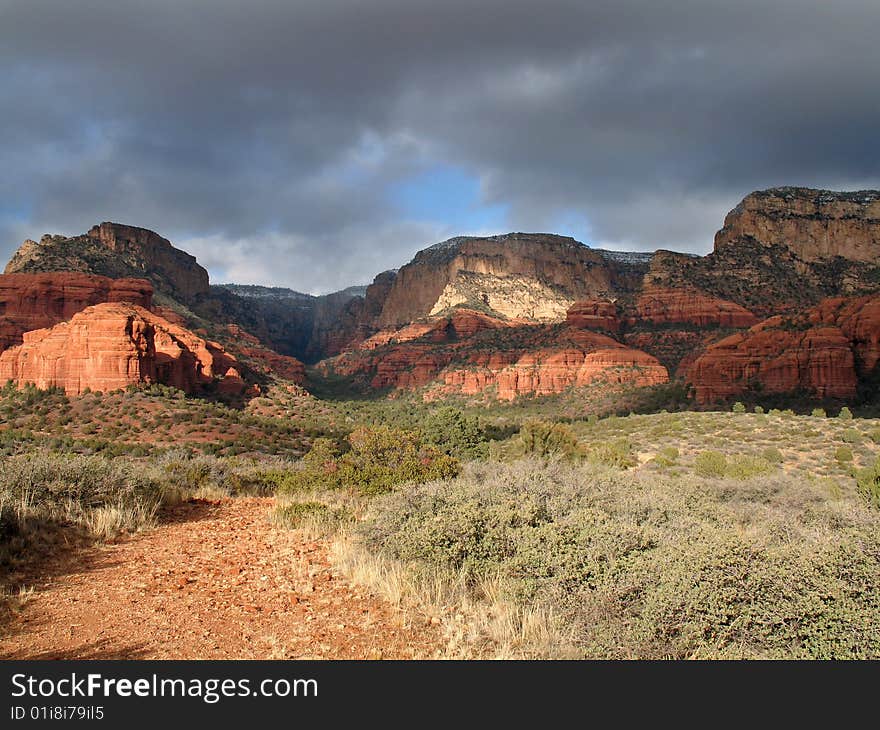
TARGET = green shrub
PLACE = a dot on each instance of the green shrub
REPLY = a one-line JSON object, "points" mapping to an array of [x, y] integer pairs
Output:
{"points": [[455, 434], [618, 452], [843, 454], [845, 414], [739, 407], [644, 565], [772, 455], [851, 436], [710, 464], [292, 514], [819, 413], [746, 467], [543, 439], [868, 483], [668, 456], [759, 409], [379, 458], [101, 495]]}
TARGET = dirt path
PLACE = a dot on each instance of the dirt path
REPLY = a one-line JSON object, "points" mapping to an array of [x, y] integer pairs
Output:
{"points": [[212, 581]]}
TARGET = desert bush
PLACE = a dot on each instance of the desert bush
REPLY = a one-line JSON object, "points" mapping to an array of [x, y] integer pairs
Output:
{"points": [[455, 434], [643, 565], [378, 459], [868, 483], [759, 409], [710, 464], [843, 454], [208, 475], [818, 413], [544, 439], [845, 414], [739, 407], [772, 455], [851, 436], [618, 452], [745, 467], [668, 456], [39, 491], [292, 514]]}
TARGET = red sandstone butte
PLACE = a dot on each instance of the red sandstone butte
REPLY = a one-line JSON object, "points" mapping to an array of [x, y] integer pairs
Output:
{"points": [[34, 301], [113, 345]]}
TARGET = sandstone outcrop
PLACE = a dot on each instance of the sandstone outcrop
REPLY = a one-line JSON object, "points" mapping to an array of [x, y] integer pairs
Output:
{"points": [[246, 346], [110, 346], [824, 351], [536, 361], [784, 250], [813, 224], [35, 301], [546, 372], [593, 314], [859, 320], [461, 324], [687, 306], [818, 360]]}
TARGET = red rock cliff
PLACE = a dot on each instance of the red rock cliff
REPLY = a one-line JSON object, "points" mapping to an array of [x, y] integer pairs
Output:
{"points": [[111, 346], [824, 351], [518, 275], [34, 301], [688, 306]]}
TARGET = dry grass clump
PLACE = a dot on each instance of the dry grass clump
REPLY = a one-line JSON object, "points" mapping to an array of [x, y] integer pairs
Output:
{"points": [[40, 492], [592, 561]]}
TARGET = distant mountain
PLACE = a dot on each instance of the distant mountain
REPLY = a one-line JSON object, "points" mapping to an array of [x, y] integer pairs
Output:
{"points": [[523, 313]]}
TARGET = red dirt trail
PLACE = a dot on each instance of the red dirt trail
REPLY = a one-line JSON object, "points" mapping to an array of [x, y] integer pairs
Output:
{"points": [[211, 581]]}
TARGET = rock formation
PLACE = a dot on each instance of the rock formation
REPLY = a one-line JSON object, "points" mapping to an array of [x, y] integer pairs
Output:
{"points": [[824, 351], [526, 276], [548, 371], [687, 306], [34, 301], [507, 359], [245, 346], [110, 346], [814, 224], [593, 314], [520, 313], [783, 250], [117, 251]]}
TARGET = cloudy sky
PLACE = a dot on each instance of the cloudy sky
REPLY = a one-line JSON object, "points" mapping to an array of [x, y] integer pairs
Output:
{"points": [[314, 143]]}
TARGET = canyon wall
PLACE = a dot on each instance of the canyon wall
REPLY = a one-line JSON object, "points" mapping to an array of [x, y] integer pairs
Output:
{"points": [[110, 346]]}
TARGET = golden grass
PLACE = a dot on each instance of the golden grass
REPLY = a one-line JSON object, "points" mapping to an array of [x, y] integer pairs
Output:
{"points": [[476, 622]]}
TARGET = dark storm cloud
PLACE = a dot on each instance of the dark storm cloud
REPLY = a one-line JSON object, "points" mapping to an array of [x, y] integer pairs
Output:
{"points": [[265, 136]]}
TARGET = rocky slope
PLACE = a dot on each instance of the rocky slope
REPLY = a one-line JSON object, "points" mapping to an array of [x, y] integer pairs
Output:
{"points": [[109, 346], [785, 249], [117, 251], [815, 225]]}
